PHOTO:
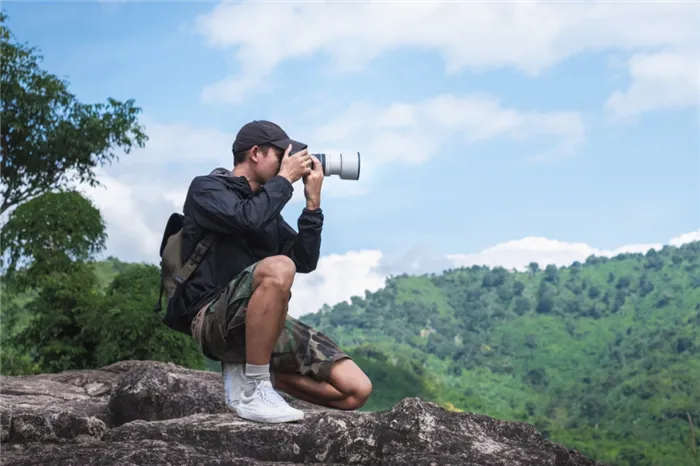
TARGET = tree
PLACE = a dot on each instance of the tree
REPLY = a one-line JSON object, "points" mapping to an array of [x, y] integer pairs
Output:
{"points": [[125, 327], [50, 140], [71, 325], [57, 336], [48, 233], [49, 240]]}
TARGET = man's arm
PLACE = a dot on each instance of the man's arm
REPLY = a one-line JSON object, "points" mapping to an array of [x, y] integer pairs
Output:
{"points": [[304, 248], [218, 209]]}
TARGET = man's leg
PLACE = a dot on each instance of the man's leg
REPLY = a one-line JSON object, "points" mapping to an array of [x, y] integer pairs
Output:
{"points": [[347, 387], [306, 363], [241, 327], [267, 307], [310, 366], [264, 320]]}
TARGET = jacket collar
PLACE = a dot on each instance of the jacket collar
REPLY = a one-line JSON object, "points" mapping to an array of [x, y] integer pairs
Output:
{"points": [[238, 183]]}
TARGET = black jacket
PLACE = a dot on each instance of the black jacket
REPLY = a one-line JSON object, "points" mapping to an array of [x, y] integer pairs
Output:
{"points": [[249, 228]]}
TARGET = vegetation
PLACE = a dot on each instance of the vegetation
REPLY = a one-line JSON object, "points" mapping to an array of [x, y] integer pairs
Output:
{"points": [[56, 312], [601, 356], [50, 140]]}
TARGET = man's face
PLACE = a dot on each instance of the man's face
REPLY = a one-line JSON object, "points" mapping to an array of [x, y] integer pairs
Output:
{"points": [[268, 163]]}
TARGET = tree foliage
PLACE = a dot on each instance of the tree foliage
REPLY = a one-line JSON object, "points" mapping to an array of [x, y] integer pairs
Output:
{"points": [[50, 140], [48, 233], [602, 356], [87, 316], [59, 310], [125, 326], [57, 335]]}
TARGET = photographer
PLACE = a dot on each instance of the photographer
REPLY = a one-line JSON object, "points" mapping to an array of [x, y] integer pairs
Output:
{"points": [[238, 297]]}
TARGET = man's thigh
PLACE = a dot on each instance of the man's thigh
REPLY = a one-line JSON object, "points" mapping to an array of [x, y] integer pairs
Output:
{"points": [[222, 329], [304, 350], [299, 348]]}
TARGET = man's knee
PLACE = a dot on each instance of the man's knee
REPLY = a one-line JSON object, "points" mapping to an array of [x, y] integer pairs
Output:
{"points": [[360, 393], [352, 382], [275, 271]]}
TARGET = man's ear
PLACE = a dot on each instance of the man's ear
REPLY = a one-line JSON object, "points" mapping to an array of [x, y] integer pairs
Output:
{"points": [[254, 154]]}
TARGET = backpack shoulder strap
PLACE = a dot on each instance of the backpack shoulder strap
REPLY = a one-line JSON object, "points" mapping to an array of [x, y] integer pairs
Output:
{"points": [[195, 258]]}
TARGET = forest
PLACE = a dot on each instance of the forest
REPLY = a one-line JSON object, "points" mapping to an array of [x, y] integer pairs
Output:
{"points": [[602, 356]]}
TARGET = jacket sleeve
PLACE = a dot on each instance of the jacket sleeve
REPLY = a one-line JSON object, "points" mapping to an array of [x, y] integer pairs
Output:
{"points": [[218, 209], [304, 248]]}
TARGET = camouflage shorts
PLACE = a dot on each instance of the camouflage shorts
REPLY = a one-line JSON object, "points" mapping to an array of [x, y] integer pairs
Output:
{"points": [[219, 329]]}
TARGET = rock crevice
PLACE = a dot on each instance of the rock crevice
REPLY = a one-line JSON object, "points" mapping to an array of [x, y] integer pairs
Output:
{"points": [[149, 413]]}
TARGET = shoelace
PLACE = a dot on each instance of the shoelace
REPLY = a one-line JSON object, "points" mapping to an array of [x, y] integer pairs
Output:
{"points": [[269, 394]]}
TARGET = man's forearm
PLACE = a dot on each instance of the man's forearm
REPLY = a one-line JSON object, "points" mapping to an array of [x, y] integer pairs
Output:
{"points": [[313, 204], [307, 244]]}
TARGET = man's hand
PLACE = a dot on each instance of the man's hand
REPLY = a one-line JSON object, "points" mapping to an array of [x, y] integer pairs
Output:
{"points": [[296, 166], [312, 185]]}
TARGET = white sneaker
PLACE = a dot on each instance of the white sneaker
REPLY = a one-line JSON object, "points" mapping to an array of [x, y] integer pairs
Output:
{"points": [[266, 405], [234, 379]]}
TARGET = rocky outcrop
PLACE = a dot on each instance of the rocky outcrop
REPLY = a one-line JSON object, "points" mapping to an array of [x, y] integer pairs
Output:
{"points": [[150, 413]]}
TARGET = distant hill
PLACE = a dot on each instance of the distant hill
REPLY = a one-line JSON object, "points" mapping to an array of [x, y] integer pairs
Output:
{"points": [[603, 356]]}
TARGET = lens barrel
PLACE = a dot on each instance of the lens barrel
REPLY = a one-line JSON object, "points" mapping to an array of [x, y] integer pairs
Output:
{"points": [[347, 167]]}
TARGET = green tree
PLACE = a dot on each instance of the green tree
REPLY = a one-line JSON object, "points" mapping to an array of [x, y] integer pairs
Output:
{"points": [[125, 327], [56, 336], [48, 233], [602, 356], [49, 240], [50, 140]]}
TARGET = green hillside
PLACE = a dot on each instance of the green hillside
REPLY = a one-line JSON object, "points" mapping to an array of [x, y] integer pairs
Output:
{"points": [[602, 356]]}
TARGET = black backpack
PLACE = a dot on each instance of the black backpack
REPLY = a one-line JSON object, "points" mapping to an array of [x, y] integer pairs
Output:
{"points": [[174, 273]]}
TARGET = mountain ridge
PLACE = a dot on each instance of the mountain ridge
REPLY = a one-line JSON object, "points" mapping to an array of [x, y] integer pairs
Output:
{"points": [[603, 354]]}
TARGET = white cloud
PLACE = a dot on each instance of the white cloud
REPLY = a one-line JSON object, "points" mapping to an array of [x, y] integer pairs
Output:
{"points": [[130, 228], [337, 278], [340, 277], [143, 188], [663, 80], [517, 254], [149, 184], [685, 238], [529, 37], [412, 132]]}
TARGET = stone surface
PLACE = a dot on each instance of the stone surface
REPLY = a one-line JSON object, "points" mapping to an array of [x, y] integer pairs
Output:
{"points": [[150, 413]]}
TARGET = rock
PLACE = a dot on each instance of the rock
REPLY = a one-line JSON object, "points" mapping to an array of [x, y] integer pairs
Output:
{"points": [[149, 413]]}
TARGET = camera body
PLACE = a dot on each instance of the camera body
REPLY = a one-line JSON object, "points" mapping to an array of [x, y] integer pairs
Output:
{"points": [[347, 167]]}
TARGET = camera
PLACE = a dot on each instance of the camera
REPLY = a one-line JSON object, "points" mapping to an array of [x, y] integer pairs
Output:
{"points": [[347, 167]]}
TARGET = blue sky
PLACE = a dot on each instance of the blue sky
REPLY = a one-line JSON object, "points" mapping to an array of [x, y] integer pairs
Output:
{"points": [[450, 106]]}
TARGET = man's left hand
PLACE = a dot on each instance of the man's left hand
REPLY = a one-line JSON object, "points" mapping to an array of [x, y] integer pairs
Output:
{"points": [[312, 185]]}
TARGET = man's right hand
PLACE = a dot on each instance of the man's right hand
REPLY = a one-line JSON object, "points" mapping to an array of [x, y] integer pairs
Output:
{"points": [[296, 166]]}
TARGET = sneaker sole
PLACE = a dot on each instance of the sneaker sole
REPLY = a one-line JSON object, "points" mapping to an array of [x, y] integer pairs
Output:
{"points": [[277, 419]]}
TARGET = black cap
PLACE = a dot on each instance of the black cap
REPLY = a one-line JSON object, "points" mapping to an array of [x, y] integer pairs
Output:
{"points": [[260, 132]]}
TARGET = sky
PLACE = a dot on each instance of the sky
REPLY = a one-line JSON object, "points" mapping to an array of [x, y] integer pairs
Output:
{"points": [[494, 133]]}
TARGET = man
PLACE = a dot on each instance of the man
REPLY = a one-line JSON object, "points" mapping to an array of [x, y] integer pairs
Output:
{"points": [[238, 296]]}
